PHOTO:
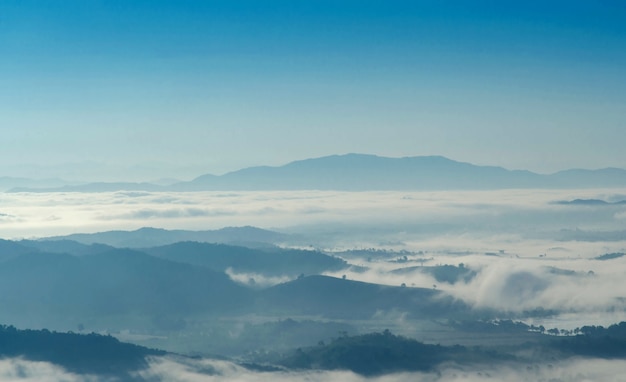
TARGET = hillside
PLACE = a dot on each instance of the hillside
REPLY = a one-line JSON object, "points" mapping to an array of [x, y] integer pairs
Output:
{"points": [[381, 353], [151, 237], [268, 261], [43, 288], [339, 298], [89, 354]]}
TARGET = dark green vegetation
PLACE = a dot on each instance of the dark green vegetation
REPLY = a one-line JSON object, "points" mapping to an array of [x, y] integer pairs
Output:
{"points": [[85, 354], [610, 256], [595, 341], [443, 273], [381, 353]]}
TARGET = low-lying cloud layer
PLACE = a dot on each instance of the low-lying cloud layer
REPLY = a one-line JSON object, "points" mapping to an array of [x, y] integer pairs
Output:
{"points": [[17, 369], [512, 239], [178, 369], [519, 212], [575, 370]]}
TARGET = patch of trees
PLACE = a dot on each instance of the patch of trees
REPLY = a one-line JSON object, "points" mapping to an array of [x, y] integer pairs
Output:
{"points": [[347, 299], [451, 274], [592, 341], [495, 326], [381, 353], [91, 353], [610, 256]]}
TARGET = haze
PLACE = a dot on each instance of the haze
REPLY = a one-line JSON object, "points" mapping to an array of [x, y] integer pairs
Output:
{"points": [[312, 190], [199, 87]]}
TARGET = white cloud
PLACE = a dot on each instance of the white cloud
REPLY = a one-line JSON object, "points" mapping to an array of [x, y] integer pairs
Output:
{"points": [[17, 369], [256, 279], [451, 227], [574, 370]]}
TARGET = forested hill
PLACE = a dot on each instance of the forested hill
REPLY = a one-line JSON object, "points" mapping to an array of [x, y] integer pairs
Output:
{"points": [[84, 354]]}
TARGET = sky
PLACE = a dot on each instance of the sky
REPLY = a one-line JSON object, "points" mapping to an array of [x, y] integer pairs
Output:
{"points": [[191, 87]]}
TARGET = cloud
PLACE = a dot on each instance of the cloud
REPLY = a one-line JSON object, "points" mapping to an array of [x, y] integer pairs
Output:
{"points": [[256, 279], [176, 369], [523, 212], [620, 215], [18, 369], [449, 227], [169, 213], [574, 370]]}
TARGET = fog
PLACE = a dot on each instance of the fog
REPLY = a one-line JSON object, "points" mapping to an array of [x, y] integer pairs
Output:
{"points": [[575, 370], [507, 215], [18, 369], [560, 280], [529, 264], [524, 250], [181, 369]]}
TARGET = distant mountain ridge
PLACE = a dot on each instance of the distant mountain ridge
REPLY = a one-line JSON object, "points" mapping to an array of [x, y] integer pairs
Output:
{"points": [[148, 237], [362, 172]]}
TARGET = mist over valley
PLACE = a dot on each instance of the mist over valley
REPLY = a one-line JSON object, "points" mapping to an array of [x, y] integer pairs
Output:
{"points": [[359, 191], [276, 282]]}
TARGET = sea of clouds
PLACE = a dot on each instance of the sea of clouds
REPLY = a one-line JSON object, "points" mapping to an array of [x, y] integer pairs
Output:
{"points": [[472, 217], [179, 369], [512, 239], [529, 265]]}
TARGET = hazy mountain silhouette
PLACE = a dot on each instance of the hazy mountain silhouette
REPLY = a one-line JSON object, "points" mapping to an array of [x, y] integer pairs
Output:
{"points": [[361, 172], [10, 249], [39, 287], [69, 247], [354, 172], [9, 182], [269, 261], [340, 298], [590, 202], [151, 237]]}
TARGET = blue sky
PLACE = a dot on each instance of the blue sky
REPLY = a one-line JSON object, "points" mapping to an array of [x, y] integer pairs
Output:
{"points": [[220, 85]]}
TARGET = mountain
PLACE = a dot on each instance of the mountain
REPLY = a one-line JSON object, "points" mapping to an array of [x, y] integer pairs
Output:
{"points": [[590, 202], [361, 172], [355, 172], [268, 261], [41, 289], [607, 177], [151, 237], [89, 354], [339, 298], [64, 246], [376, 354], [10, 249], [9, 182]]}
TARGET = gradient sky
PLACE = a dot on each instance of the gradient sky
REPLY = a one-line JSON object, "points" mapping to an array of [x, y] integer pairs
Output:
{"points": [[220, 85]]}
